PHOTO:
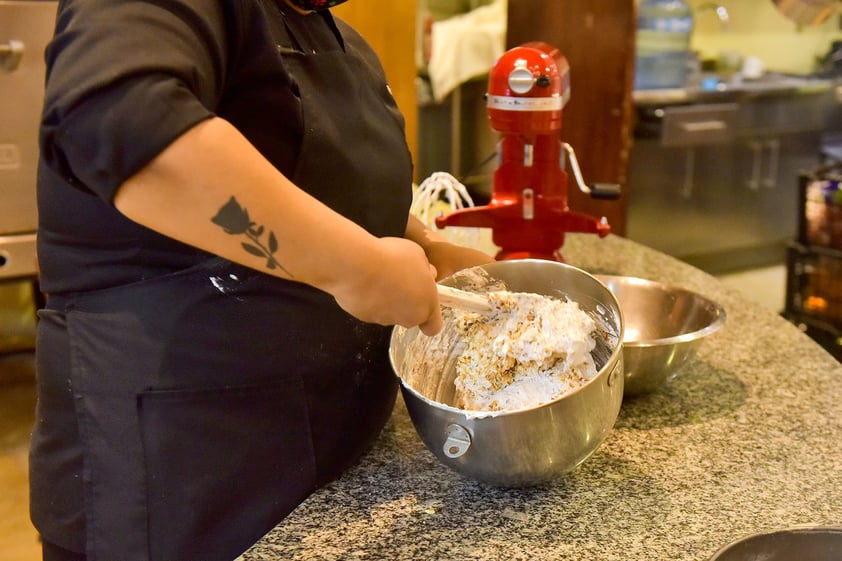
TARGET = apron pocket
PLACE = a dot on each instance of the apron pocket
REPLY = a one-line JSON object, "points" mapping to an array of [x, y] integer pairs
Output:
{"points": [[223, 466]]}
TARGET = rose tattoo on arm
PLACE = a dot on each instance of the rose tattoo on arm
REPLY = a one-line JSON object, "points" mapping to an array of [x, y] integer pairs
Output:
{"points": [[235, 220]]}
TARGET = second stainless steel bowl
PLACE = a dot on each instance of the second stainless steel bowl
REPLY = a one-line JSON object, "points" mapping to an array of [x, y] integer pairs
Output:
{"points": [[802, 543], [664, 327]]}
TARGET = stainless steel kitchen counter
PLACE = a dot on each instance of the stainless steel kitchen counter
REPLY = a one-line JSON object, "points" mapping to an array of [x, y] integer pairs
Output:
{"points": [[713, 176], [746, 439], [736, 89]]}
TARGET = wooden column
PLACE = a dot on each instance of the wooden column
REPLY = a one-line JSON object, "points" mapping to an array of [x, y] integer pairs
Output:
{"points": [[597, 38]]}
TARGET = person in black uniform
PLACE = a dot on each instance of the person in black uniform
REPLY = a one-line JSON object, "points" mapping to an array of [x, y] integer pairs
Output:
{"points": [[224, 242]]}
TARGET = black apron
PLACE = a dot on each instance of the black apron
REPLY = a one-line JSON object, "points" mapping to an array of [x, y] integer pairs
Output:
{"points": [[181, 418]]}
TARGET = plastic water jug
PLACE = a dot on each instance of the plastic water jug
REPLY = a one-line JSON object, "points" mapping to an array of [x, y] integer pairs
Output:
{"points": [[662, 55]]}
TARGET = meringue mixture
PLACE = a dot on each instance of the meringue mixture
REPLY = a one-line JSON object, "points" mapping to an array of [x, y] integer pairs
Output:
{"points": [[529, 350]]}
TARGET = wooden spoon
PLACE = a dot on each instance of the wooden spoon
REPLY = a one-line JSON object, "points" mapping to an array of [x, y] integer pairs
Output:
{"points": [[462, 300]]}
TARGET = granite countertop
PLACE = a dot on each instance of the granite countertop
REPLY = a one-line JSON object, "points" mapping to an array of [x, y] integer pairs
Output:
{"points": [[747, 438]]}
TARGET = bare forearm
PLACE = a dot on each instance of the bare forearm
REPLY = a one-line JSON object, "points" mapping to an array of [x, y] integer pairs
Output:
{"points": [[418, 232], [198, 191], [446, 257], [192, 192]]}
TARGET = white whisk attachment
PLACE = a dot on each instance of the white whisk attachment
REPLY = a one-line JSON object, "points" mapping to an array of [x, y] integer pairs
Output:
{"points": [[441, 194]]}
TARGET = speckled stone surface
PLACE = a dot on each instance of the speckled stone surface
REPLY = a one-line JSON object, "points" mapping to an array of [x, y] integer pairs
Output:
{"points": [[747, 438]]}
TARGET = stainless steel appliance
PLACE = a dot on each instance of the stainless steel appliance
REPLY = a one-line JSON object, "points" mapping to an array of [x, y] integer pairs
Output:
{"points": [[25, 29], [713, 181]]}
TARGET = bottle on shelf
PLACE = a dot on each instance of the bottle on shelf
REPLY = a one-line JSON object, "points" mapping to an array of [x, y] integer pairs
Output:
{"points": [[663, 56]]}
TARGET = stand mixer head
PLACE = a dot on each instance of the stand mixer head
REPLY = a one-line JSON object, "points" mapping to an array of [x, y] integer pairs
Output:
{"points": [[528, 212]]}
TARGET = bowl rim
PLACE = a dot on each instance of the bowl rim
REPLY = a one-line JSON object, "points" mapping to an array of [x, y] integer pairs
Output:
{"points": [[715, 325], [798, 529]]}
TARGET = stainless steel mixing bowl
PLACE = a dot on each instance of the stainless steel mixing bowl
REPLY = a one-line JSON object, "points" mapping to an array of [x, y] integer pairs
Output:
{"points": [[801, 543], [664, 328], [530, 446]]}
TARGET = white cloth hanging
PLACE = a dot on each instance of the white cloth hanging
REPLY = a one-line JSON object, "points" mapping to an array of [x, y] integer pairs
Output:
{"points": [[466, 46]]}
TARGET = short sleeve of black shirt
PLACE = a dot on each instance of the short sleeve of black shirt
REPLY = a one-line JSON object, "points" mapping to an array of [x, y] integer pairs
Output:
{"points": [[124, 79]]}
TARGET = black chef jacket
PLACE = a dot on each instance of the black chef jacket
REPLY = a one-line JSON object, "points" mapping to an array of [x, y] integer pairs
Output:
{"points": [[186, 404]]}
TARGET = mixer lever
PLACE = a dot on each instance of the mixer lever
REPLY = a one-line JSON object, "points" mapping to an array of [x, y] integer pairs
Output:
{"points": [[603, 191]]}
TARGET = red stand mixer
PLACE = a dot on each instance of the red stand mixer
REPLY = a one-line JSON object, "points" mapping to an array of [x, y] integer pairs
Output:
{"points": [[528, 212]]}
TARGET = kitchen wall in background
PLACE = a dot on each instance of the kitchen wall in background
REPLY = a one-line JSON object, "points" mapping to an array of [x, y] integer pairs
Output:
{"points": [[757, 28]]}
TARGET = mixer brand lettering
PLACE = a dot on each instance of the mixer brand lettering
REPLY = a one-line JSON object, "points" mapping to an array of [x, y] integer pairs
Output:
{"points": [[235, 220], [509, 103]]}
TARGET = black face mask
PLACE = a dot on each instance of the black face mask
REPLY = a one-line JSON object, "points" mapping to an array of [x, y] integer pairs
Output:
{"points": [[315, 5]]}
